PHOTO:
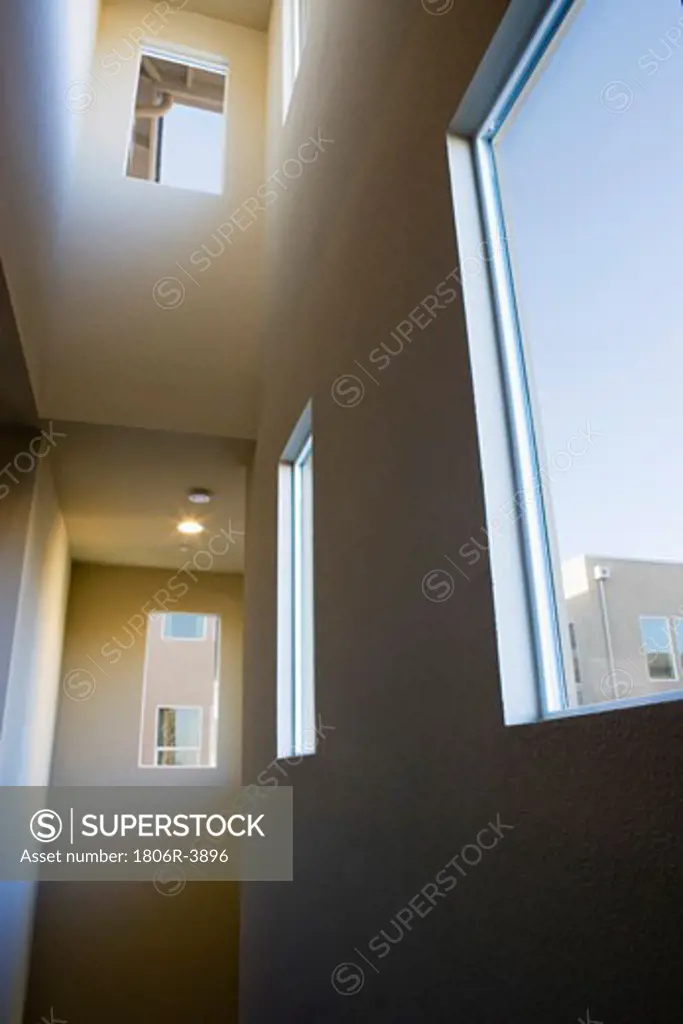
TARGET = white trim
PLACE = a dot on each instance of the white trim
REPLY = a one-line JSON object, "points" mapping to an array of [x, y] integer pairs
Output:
{"points": [[668, 619], [178, 54], [295, 596], [295, 26], [628, 703]]}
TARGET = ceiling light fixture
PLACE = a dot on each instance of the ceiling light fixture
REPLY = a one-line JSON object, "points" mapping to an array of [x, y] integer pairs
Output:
{"points": [[200, 495], [189, 527]]}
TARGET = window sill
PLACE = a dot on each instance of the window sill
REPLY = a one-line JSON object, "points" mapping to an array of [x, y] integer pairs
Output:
{"points": [[615, 705]]}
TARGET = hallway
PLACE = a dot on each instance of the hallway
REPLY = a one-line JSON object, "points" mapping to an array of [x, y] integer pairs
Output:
{"points": [[329, 495]]}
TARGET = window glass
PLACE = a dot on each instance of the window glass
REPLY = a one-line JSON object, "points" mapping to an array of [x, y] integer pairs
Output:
{"points": [[192, 150], [183, 626], [657, 648], [180, 688], [179, 727], [678, 633], [296, 644], [581, 178], [179, 126]]}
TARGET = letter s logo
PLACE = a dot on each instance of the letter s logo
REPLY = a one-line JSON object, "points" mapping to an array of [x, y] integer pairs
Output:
{"points": [[46, 826]]}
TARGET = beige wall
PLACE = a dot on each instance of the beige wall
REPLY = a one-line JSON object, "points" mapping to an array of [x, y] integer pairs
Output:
{"points": [[126, 234], [97, 739], [56, 36], [120, 952], [32, 694], [15, 510]]}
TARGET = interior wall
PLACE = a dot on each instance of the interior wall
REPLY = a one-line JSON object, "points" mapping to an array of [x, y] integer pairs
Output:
{"points": [[150, 956], [97, 738], [15, 510], [32, 690], [40, 121], [572, 908], [174, 285]]}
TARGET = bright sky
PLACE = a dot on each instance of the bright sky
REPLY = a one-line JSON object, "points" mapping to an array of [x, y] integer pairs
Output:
{"points": [[591, 170], [192, 149]]}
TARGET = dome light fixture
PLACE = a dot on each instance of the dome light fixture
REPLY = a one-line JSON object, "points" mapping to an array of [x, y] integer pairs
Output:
{"points": [[200, 495], [190, 527]]}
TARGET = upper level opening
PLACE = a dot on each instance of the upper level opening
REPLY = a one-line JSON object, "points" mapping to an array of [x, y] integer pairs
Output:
{"points": [[179, 124]]}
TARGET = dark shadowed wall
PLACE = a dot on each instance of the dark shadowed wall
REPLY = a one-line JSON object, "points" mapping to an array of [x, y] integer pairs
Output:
{"points": [[575, 907]]}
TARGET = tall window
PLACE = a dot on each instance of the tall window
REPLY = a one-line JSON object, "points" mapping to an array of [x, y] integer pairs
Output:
{"points": [[567, 188], [179, 724], [296, 665], [179, 122], [657, 646], [296, 14], [179, 737]]}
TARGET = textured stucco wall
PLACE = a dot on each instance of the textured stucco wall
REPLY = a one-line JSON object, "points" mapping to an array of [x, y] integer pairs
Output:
{"points": [[575, 907]]}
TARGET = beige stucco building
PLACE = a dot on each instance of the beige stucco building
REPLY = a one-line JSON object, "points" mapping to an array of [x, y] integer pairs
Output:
{"points": [[625, 621]]}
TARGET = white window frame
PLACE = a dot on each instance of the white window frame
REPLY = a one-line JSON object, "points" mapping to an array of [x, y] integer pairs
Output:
{"points": [[296, 735], [159, 749], [193, 59], [531, 623], [296, 18], [672, 649], [184, 639], [678, 651]]}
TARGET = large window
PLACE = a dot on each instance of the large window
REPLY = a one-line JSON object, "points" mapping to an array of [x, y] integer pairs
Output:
{"points": [[296, 665], [178, 132], [296, 14], [179, 722], [567, 171]]}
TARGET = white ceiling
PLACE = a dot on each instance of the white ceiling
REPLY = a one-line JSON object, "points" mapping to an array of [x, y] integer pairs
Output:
{"points": [[95, 261], [123, 491], [251, 13]]}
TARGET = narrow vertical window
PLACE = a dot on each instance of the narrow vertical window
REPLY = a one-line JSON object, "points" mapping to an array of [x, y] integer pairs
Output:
{"points": [[575, 653], [178, 727], [657, 647], [296, 667], [678, 634], [295, 31]]}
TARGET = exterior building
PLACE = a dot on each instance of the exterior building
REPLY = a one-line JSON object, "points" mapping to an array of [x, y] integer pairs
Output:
{"points": [[625, 623], [180, 691]]}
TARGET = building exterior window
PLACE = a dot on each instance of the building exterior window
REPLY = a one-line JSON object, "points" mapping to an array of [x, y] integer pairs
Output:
{"points": [[678, 635], [295, 32], [179, 123], [557, 358], [179, 737], [657, 647], [296, 662], [180, 689], [575, 653], [184, 626]]}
